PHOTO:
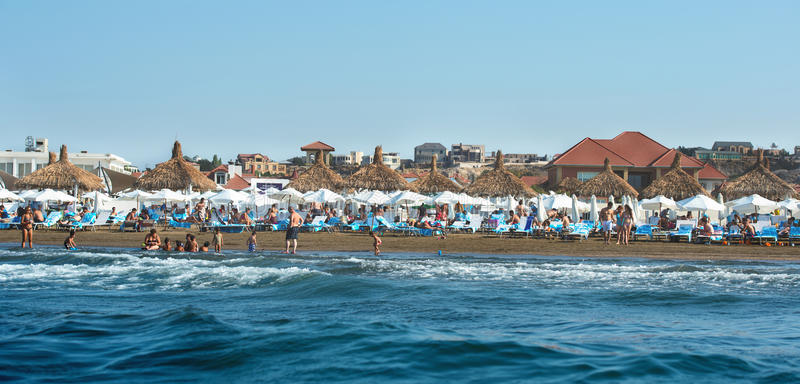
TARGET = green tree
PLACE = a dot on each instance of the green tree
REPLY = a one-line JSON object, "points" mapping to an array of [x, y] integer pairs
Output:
{"points": [[297, 160]]}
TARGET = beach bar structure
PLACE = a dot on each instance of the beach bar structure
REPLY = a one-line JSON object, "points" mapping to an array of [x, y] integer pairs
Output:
{"points": [[759, 180], [319, 176], [315, 148], [377, 176], [434, 182], [499, 182], [675, 184], [175, 174]]}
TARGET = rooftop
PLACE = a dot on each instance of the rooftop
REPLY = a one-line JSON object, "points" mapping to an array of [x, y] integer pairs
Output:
{"points": [[316, 146]]}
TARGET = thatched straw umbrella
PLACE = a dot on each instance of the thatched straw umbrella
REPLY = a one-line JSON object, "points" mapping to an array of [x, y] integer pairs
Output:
{"points": [[758, 180], [499, 182], [675, 184], [377, 176], [607, 183], [435, 182], [61, 175], [568, 186], [317, 177], [175, 174]]}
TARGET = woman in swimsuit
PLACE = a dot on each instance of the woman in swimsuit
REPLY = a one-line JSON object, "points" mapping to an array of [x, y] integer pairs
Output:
{"points": [[152, 241], [627, 224], [26, 224]]}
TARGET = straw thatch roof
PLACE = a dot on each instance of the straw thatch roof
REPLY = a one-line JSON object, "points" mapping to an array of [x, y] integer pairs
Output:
{"points": [[499, 182], [758, 180], [435, 182], [317, 177], [675, 184], [568, 186], [61, 175], [377, 176], [7, 180], [175, 174], [607, 183]]}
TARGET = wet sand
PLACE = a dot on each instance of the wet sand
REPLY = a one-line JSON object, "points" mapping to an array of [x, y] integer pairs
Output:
{"points": [[454, 244]]}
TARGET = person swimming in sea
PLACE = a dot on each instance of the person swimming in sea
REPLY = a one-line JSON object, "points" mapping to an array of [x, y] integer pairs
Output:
{"points": [[152, 241], [166, 246], [204, 247], [251, 242], [69, 242], [178, 246], [376, 243]]}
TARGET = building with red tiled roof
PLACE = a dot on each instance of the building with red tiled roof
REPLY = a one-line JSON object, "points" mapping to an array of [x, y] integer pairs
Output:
{"points": [[237, 183], [632, 155], [257, 163]]}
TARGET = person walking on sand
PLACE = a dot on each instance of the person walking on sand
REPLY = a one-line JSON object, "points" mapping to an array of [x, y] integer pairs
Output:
{"points": [[251, 242], [26, 224], [376, 243], [607, 221], [217, 241], [295, 221]]}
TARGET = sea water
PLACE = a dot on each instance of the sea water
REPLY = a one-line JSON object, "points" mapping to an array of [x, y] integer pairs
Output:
{"points": [[131, 316]]}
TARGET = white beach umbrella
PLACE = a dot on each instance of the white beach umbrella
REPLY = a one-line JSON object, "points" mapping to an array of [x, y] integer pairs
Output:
{"points": [[323, 196], [558, 202], [228, 196], [754, 204], [576, 217], [258, 201], [723, 213], [168, 195], [28, 194], [658, 203], [541, 213], [372, 197], [288, 195], [594, 214], [51, 195], [134, 195], [700, 203], [790, 204], [446, 197], [611, 200], [6, 195], [407, 198]]}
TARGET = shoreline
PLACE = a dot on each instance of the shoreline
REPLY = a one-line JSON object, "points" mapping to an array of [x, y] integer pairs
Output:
{"points": [[454, 244]]}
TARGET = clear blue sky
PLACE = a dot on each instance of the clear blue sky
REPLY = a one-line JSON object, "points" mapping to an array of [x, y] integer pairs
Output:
{"points": [[525, 76]]}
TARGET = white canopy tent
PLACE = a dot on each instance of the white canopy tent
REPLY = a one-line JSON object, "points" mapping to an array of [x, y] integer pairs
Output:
{"points": [[6, 195], [753, 204]]}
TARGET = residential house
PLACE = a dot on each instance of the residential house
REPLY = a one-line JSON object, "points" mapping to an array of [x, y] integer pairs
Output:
{"points": [[424, 153], [467, 153], [259, 164]]}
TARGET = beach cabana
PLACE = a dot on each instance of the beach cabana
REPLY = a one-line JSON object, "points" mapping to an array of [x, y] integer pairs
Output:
{"points": [[319, 176], [377, 176], [434, 182], [675, 184], [499, 182], [175, 174], [61, 175], [606, 183], [758, 181], [568, 186]]}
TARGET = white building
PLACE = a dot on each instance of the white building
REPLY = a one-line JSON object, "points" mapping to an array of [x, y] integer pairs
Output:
{"points": [[35, 157], [390, 159], [354, 157]]}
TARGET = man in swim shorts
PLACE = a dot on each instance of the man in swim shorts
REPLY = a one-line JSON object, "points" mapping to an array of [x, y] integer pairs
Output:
{"points": [[607, 221], [295, 221]]}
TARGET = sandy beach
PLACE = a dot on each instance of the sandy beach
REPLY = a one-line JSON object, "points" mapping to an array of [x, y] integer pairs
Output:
{"points": [[454, 244]]}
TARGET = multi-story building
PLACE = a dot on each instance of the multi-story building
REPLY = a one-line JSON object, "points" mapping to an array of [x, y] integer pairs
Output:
{"points": [[743, 147], [467, 153], [35, 156], [390, 159], [424, 153], [708, 154], [522, 158], [259, 164], [354, 157]]}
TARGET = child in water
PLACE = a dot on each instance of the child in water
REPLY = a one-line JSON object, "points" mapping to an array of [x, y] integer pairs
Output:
{"points": [[217, 241], [376, 242], [69, 242], [166, 246], [178, 246], [204, 247], [251, 242]]}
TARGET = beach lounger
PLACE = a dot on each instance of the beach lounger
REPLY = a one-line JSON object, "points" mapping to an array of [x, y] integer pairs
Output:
{"points": [[767, 234], [50, 221], [644, 230], [579, 231], [101, 217], [316, 224], [179, 224], [11, 224], [794, 235], [684, 230]]}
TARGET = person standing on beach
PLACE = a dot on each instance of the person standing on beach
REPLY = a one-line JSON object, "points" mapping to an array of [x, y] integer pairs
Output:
{"points": [[295, 221], [26, 224], [217, 241], [607, 221]]}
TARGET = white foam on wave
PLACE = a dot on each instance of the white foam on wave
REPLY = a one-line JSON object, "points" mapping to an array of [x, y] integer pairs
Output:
{"points": [[567, 273], [153, 273]]}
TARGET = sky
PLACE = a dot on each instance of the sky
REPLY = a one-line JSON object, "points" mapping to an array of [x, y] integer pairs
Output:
{"points": [[228, 77]]}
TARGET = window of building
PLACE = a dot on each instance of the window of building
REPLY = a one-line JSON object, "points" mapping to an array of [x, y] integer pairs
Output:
{"points": [[7, 167], [583, 176], [23, 169]]}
